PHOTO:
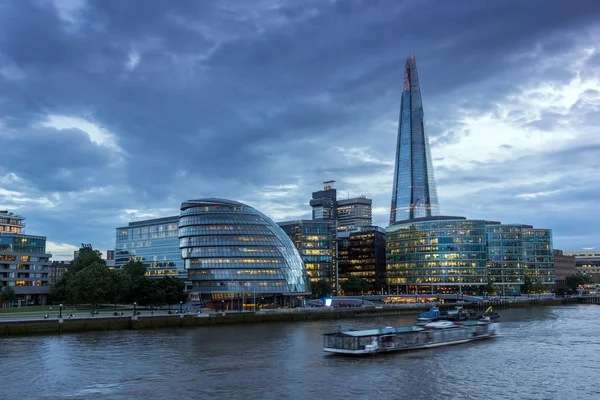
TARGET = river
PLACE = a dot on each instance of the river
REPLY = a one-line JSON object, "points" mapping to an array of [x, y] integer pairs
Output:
{"points": [[543, 353]]}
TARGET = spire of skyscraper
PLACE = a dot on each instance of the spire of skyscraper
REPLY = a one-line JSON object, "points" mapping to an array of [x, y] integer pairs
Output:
{"points": [[414, 194]]}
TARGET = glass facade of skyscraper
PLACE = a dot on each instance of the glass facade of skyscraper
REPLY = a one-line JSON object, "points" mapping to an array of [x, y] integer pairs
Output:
{"points": [[437, 255], [414, 191], [538, 256], [155, 243], [505, 257], [313, 240], [234, 253], [362, 255]]}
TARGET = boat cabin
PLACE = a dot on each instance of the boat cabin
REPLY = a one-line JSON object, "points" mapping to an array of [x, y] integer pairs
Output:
{"points": [[362, 340]]}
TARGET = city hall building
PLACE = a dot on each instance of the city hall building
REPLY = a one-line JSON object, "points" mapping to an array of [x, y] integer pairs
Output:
{"points": [[236, 257]]}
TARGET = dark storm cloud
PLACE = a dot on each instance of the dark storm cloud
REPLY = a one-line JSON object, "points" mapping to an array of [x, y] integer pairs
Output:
{"points": [[223, 98]]}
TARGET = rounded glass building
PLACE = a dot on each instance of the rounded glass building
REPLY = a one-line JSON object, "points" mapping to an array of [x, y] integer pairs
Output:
{"points": [[236, 257]]}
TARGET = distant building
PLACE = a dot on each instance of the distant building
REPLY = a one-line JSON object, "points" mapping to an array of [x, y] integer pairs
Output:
{"points": [[353, 214], [587, 262], [350, 214], [362, 254], [57, 270], [437, 255], [313, 240], [458, 255], [24, 263], [505, 257], [564, 266], [155, 243], [236, 256], [414, 193], [538, 256], [110, 259], [323, 203]]}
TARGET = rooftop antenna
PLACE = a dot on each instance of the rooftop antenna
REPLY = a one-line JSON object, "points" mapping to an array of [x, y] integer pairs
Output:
{"points": [[328, 185]]}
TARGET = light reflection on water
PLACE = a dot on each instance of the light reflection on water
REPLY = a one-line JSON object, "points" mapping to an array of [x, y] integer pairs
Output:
{"points": [[543, 353]]}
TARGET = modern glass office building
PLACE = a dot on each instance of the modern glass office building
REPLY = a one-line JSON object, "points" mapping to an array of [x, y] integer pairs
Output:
{"points": [[236, 256], [314, 242], [24, 263], [538, 256], [155, 243], [455, 254], [505, 257], [362, 254], [437, 255], [414, 191]]}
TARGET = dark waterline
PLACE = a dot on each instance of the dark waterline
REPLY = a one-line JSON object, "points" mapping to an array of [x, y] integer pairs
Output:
{"points": [[544, 353]]}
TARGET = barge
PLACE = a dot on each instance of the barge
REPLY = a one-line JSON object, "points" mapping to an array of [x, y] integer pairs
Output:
{"points": [[388, 339]]}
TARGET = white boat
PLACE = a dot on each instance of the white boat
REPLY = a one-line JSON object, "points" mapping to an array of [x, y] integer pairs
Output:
{"points": [[434, 334]]}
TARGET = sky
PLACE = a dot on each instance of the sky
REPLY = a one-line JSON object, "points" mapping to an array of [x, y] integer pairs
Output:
{"points": [[115, 111]]}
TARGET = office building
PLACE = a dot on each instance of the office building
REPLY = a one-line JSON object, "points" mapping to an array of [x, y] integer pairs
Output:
{"points": [[458, 255], [236, 256], [350, 214], [155, 243], [564, 265], [24, 263], [505, 257], [313, 240], [587, 262], [323, 203], [414, 192], [538, 256], [353, 214], [361, 254], [437, 255], [57, 270]]}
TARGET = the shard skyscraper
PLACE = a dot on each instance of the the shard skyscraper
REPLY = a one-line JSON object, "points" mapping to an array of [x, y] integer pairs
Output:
{"points": [[415, 192]]}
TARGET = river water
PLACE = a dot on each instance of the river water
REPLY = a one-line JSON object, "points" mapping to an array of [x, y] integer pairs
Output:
{"points": [[543, 353]]}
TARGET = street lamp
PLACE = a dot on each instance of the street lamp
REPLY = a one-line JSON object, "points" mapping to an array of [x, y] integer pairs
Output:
{"points": [[60, 315], [180, 305], [134, 306], [222, 305]]}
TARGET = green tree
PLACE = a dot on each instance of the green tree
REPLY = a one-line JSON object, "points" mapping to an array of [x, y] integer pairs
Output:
{"points": [[354, 285], [59, 291], [8, 295], [561, 291], [92, 285], [135, 269], [487, 289], [320, 288], [573, 281], [149, 292], [527, 285], [86, 257], [538, 287], [173, 290]]}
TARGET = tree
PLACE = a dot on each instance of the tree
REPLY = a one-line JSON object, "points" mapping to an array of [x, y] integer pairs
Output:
{"points": [[538, 287], [86, 257], [8, 295], [135, 269], [93, 285], [320, 288], [573, 281], [354, 285], [488, 288], [173, 290], [149, 292], [527, 286]]}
